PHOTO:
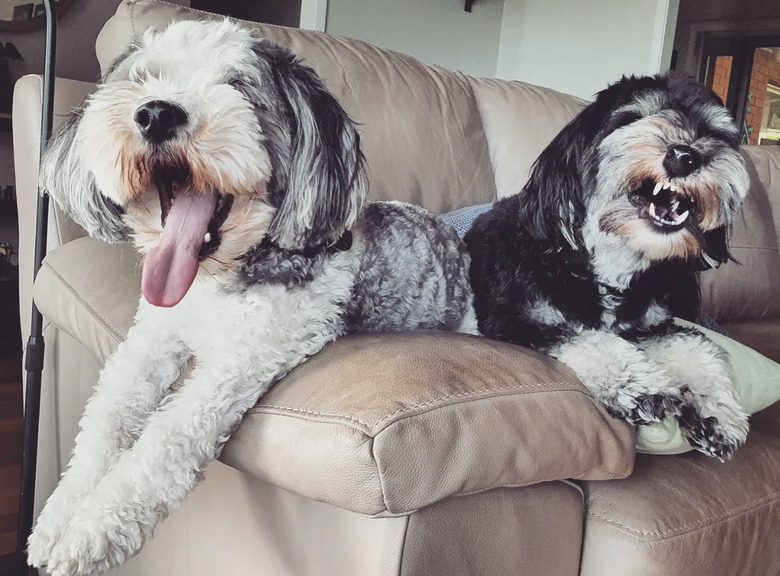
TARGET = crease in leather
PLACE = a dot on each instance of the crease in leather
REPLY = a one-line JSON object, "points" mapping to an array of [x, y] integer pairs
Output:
{"points": [[485, 144], [487, 393], [379, 475], [700, 524], [610, 472], [94, 313]]}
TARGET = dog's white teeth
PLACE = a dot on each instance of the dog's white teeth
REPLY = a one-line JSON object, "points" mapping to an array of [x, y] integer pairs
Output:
{"points": [[675, 206], [682, 217], [672, 187], [666, 185], [657, 189], [207, 238], [652, 211]]}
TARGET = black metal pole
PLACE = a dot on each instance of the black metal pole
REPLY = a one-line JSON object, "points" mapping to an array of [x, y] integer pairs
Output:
{"points": [[35, 346]]}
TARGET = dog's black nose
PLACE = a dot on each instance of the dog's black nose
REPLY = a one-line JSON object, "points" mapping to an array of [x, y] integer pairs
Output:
{"points": [[681, 160], [157, 120]]}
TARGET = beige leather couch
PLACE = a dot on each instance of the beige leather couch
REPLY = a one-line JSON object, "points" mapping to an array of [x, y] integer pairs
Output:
{"points": [[431, 453]]}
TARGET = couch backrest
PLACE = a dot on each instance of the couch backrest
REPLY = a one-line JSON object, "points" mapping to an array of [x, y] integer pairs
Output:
{"points": [[749, 288], [445, 140]]}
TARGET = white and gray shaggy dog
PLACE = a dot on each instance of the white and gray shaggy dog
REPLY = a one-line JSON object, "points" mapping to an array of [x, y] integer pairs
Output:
{"points": [[240, 178], [591, 261]]}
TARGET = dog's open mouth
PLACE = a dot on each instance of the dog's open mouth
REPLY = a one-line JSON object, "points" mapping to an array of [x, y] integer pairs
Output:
{"points": [[191, 220], [663, 204]]}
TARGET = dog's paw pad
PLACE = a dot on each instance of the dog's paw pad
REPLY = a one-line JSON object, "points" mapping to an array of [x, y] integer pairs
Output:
{"points": [[643, 409], [710, 436]]}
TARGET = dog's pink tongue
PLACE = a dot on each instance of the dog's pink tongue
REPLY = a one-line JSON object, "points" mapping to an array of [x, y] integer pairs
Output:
{"points": [[172, 265]]}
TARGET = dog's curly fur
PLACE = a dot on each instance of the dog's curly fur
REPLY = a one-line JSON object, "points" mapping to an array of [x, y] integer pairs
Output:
{"points": [[205, 123], [603, 246]]}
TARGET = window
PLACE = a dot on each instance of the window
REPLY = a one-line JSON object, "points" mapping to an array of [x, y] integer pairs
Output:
{"points": [[770, 116]]}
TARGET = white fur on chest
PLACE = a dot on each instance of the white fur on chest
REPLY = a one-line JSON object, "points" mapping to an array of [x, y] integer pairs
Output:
{"points": [[215, 321]]}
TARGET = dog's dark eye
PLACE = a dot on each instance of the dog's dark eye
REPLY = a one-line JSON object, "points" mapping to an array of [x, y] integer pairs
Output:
{"points": [[732, 139]]}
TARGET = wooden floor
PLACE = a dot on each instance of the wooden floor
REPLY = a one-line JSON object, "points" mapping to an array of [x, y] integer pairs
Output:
{"points": [[10, 452]]}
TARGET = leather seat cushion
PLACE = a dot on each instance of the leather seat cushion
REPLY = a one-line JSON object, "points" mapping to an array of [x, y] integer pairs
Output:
{"points": [[690, 515]]}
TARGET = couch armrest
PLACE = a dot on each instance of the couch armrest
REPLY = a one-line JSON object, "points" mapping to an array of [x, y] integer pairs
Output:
{"points": [[377, 424], [27, 137]]}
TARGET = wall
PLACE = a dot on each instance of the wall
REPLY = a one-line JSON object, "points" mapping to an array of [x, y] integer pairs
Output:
{"points": [[698, 17], [579, 46], [433, 31]]}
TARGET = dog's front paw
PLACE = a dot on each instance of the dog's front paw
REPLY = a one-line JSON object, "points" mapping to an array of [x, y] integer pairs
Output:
{"points": [[87, 549], [78, 553], [48, 530], [717, 436], [39, 547], [643, 408]]}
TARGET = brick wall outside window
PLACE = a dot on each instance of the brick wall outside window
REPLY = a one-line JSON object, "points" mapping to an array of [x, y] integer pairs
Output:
{"points": [[721, 75], [765, 69]]}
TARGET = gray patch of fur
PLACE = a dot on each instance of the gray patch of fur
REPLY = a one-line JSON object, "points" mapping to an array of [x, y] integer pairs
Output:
{"points": [[409, 270], [542, 312], [413, 271]]}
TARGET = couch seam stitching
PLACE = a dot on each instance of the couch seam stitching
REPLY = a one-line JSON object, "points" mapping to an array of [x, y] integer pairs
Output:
{"points": [[771, 497], [416, 406], [132, 19], [767, 248], [255, 410], [106, 324], [613, 474], [467, 394]]}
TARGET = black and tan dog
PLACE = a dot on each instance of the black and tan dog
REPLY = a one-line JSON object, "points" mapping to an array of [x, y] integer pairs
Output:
{"points": [[602, 248]]}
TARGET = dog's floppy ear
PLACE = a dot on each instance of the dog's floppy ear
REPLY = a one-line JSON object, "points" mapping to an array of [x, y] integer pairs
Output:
{"points": [[551, 204], [70, 183], [714, 248], [72, 186], [325, 184]]}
